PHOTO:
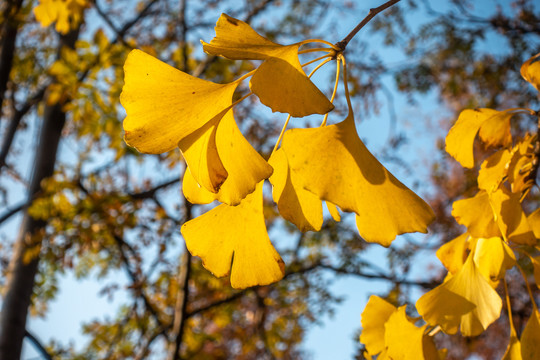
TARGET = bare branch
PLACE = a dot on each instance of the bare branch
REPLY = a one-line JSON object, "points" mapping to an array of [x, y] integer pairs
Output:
{"points": [[37, 344]]}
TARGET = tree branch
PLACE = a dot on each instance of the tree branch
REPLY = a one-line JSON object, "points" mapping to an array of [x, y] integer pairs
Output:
{"points": [[37, 344], [372, 13]]}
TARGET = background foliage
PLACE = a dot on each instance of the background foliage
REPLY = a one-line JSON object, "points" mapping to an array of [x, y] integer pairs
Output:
{"points": [[108, 209]]}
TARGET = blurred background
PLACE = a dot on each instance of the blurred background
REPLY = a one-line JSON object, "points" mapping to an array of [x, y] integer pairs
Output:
{"points": [[90, 248]]}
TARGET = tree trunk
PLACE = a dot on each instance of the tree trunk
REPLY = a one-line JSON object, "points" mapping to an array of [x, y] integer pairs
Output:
{"points": [[21, 271]]}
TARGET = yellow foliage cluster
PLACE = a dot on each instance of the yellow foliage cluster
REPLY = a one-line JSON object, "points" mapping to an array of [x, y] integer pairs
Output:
{"points": [[167, 108], [499, 232], [67, 14]]}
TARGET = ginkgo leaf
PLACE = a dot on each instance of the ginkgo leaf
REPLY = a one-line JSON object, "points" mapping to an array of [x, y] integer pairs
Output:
{"points": [[453, 253], [476, 214], [513, 350], [279, 82], [333, 210], [405, 341], [299, 206], [164, 105], [466, 300], [494, 169], [200, 152], [534, 222], [493, 257], [530, 70], [530, 338], [495, 130], [536, 267], [520, 166], [234, 239], [66, 13], [333, 163], [374, 317], [193, 192], [243, 167], [510, 216]]}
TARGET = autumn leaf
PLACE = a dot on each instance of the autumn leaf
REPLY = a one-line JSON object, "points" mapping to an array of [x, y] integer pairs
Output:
{"points": [[530, 71], [66, 13], [233, 239], [333, 163], [374, 317], [279, 82]]}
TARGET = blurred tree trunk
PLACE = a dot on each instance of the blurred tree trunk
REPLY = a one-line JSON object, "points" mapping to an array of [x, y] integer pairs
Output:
{"points": [[23, 268]]}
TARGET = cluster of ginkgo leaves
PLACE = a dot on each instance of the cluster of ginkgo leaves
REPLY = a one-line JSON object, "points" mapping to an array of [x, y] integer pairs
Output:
{"points": [[499, 233], [66, 14], [167, 108]]}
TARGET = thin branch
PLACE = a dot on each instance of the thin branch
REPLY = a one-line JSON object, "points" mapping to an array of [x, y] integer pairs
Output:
{"points": [[150, 193], [37, 344], [372, 13], [223, 301], [13, 211]]}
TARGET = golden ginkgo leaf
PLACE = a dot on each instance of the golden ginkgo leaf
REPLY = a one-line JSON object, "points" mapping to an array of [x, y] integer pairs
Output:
{"points": [[493, 257], [536, 267], [477, 215], [453, 253], [234, 239], [334, 164], [299, 206], [374, 317], [534, 222], [530, 70], [520, 166], [333, 210], [494, 169], [530, 338], [221, 143], [466, 300], [405, 341], [494, 127], [66, 13], [164, 105], [193, 192], [513, 350], [510, 216], [279, 82]]}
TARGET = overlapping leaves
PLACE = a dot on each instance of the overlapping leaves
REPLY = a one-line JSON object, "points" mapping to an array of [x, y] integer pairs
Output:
{"points": [[167, 108]]}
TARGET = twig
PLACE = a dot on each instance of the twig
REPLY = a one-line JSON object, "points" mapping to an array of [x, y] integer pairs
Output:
{"points": [[372, 13], [37, 344]]}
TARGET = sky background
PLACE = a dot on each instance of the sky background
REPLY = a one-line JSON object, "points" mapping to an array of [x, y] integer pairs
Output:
{"points": [[78, 301]]}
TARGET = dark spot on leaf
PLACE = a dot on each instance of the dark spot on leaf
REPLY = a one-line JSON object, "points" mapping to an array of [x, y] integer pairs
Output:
{"points": [[232, 21], [193, 92]]}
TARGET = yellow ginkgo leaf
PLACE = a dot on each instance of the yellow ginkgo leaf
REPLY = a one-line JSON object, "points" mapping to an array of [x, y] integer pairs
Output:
{"points": [[493, 257], [536, 267], [299, 206], [513, 350], [333, 163], [201, 155], [164, 105], [495, 130], [66, 13], [374, 317], [530, 70], [233, 239], [494, 169], [334, 212], [405, 341], [510, 216], [520, 166], [477, 215], [193, 192], [530, 338], [224, 146], [534, 222], [279, 82], [466, 300], [453, 253]]}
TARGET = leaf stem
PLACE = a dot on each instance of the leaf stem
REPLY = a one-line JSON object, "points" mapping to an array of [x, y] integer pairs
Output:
{"points": [[372, 13], [338, 63], [281, 134], [315, 50], [528, 287], [308, 41]]}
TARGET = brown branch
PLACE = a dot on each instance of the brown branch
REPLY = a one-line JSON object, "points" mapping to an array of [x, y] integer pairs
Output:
{"points": [[151, 192], [372, 13], [182, 298], [37, 344], [8, 37]]}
